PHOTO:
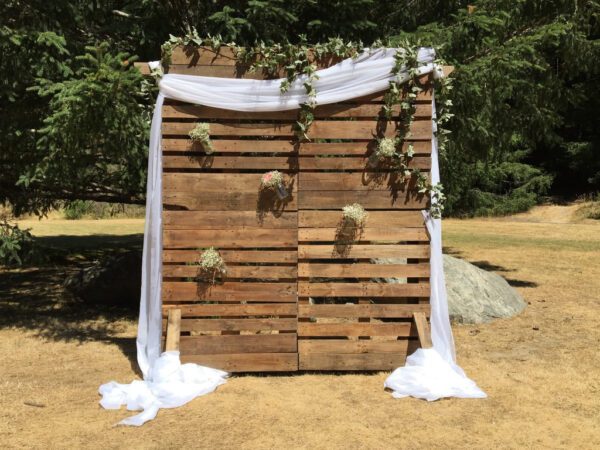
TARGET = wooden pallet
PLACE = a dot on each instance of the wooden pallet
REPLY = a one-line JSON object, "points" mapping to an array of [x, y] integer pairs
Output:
{"points": [[298, 294]]}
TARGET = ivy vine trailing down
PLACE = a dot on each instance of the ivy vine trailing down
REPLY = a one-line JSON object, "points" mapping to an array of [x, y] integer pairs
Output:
{"points": [[301, 60]]}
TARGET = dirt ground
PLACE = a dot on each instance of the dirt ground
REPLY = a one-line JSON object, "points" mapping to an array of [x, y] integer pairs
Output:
{"points": [[541, 369]]}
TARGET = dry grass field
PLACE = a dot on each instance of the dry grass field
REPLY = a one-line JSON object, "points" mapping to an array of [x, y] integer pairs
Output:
{"points": [[541, 369]]}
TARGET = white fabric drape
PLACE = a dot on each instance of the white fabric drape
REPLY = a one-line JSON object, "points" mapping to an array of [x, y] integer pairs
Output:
{"points": [[369, 73], [432, 373]]}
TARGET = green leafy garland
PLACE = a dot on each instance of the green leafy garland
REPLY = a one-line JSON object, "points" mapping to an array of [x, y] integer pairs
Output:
{"points": [[301, 60]]}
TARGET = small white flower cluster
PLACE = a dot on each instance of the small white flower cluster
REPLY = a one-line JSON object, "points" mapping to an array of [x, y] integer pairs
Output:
{"points": [[355, 214], [386, 148], [271, 180], [201, 134], [212, 262]]}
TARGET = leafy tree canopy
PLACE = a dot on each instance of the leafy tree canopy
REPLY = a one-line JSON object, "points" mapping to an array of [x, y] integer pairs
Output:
{"points": [[74, 114]]}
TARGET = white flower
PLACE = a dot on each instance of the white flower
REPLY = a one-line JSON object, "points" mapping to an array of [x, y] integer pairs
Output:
{"points": [[355, 213]]}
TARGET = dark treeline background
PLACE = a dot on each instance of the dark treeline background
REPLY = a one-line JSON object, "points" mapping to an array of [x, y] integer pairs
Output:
{"points": [[74, 114]]}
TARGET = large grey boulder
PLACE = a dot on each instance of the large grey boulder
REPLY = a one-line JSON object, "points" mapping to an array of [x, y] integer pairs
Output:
{"points": [[474, 295], [478, 296]]}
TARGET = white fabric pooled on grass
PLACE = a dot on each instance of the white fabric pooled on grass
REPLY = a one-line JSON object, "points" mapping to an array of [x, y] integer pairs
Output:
{"points": [[428, 376], [169, 385]]}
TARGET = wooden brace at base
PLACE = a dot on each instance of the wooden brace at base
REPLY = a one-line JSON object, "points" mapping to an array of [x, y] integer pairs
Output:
{"points": [[423, 329], [173, 330]]}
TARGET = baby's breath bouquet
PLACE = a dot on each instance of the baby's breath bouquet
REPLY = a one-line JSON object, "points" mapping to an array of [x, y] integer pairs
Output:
{"points": [[201, 134], [354, 214], [386, 148], [274, 180], [211, 262]]}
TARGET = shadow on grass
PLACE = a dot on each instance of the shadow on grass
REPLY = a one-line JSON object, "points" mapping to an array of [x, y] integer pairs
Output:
{"points": [[490, 267], [34, 298]]}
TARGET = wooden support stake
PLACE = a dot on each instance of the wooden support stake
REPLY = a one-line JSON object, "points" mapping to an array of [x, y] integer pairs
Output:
{"points": [[423, 329], [173, 330]]}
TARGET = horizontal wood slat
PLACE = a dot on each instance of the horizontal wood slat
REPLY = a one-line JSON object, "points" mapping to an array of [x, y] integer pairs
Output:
{"points": [[235, 201], [345, 361], [329, 219], [389, 182], [246, 362], [319, 129], [236, 310], [217, 182], [356, 311], [364, 251], [363, 289], [229, 162], [210, 220], [265, 343], [230, 238], [229, 291], [288, 146], [233, 146], [355, 329], [363, 270], [257, 272], [368, 200], [284, 163], [346, 234], [234, 256], [238, 324], [360, 163], [352, 347], [335, 110]]}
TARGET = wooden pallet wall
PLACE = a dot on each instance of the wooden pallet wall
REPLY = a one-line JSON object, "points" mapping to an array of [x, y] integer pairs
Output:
{"points": [[297, 293]]}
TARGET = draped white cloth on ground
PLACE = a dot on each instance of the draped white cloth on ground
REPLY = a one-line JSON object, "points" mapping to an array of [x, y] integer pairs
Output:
{"points": [[369, 73]]}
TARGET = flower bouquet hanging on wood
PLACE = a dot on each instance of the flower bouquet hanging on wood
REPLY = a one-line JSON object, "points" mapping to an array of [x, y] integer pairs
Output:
{"points": [[212, 263], [273, 180]]}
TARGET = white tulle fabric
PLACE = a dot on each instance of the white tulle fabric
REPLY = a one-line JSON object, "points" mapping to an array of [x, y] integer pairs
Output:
{"points": [[428, 374], [170, 384], [432, 373]]}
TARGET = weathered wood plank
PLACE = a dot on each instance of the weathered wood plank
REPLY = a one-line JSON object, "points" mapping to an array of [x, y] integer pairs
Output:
{"points": [[307, 346], [287, 146], [260, 343], [335, 110], [368, 199], [232, 146], [362, 310], [423, 329], [363, 270], [238, 324], [357, 163], [363, 289], [354, 329], [236, 310], [247, 362], [234, 272], [345, 361], [364, 251], [356, 148], [230, 162], [218, 182], [319, 129], [230, 238], [391, 182], [234, 256], [346, 234], [328, 219], [237, 201], [210, 220], [173, 330], [182, 291]]}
